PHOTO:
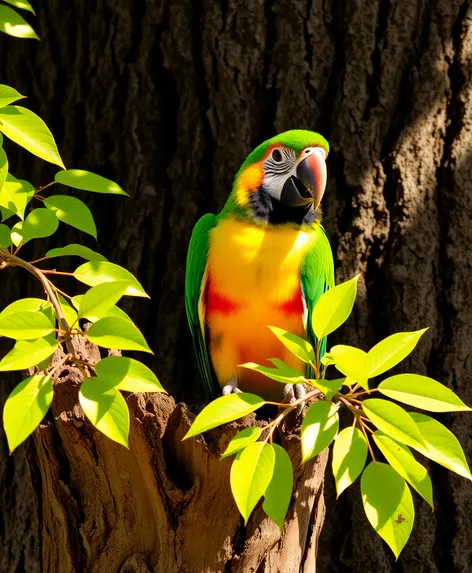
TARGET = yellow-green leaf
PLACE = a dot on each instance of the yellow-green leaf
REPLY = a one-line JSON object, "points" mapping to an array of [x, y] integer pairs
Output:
{"points": [[27, 353], [87, 181], [319, 428], [351, 362], [22, 5], [283, 376], [99, 299], [393, 420], [402, 461], [98, 272], [128, 374], [8, 95], [388, 504], [5, 239], [13, 24], [334, 307], [76, 250], [117, 333], [25, 325], [422, 392], [28, 130], [250, 476], [279, 491], [15, 194], [440, 445], [298, 346], [69, 312], [106, 408], [349, 457], [38, 224], [25, 407], [223, 410], [392, 350], [242, 439], [73, 212]]}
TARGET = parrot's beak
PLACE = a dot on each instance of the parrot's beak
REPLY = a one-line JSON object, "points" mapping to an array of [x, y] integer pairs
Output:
{"points": [[310, 182]]}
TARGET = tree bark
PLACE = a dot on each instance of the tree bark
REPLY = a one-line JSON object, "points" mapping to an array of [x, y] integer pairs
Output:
{"points": [[163, 505], [168, 97]]}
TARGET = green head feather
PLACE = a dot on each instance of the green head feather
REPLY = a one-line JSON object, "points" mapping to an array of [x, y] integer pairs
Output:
{"points": [[296, 139]]}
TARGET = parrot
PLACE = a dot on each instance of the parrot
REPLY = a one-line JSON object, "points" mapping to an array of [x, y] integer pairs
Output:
{"points": [[263, 261]]}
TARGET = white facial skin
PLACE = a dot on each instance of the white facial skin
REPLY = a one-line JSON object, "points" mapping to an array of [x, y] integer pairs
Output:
{"points": [[281, 164]]}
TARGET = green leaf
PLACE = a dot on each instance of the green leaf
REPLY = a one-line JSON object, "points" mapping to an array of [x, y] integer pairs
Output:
{"points": [[319, 427], [223, 410], [26, 305], [349, 457], [22, 5], [250, 476], [3, 167], [99, 299], [297, 346], [73, 212], [106, 408], [279, 491], [117, 333], [241, 440], [8, 95], [274, 373], [440, 445], [113, 311], [75, 250], [28, 130], [25, 407], [402, 461], [16, 234], [69, 313], [334, 307], [351, 362], [27, 353], [13, 24], [25, 325], [393, 420], [15, 195], [5, 239], [328, 387], [5, 213], [388, 505], [98, 272], [79, 179], [128, 374], [392, 350], [422, 392], [38, 224]]}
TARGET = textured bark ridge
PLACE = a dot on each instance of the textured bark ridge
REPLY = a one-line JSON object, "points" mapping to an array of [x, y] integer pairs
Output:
{"points": [[163, 505], [168, 96]]}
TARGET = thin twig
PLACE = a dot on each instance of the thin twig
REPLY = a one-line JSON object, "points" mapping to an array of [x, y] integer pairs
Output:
{"points": [[52, 272]]}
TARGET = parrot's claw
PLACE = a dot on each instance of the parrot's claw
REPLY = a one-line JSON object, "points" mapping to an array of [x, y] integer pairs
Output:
{"points": [[230, 387], [294, 392]]}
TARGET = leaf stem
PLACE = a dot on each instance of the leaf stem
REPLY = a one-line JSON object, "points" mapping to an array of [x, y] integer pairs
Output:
{"points": [[53, 272], [42, 187]]}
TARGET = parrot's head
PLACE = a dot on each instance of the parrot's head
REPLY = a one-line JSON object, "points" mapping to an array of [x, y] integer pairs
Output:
{"points": [[283, 179]]}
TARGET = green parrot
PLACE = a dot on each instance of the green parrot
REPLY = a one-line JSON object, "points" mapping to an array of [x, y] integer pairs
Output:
{"points": [[263, 260]]}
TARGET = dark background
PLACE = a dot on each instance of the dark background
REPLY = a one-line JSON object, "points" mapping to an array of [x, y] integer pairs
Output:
{"points": [[167, 97]]}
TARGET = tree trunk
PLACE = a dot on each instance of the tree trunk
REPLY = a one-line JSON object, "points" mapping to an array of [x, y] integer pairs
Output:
{"points": [[162, 505], [168, 96]]}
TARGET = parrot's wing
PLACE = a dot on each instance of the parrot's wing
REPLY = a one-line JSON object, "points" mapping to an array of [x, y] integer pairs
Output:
{"points": [[317, 276], [195, 283]]}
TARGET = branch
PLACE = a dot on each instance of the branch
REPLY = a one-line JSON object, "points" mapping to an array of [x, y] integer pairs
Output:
{"points": [[9, 260]]}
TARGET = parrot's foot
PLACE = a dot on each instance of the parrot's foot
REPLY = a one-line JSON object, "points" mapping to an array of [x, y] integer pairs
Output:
{"points": [[231, 387], [294, 392]]}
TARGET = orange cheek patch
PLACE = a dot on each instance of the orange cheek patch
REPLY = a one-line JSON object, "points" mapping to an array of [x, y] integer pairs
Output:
{"points": [[249, 180]]}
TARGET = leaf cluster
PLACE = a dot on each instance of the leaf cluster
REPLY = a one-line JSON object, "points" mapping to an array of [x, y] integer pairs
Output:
{"points": [[381, 428]]}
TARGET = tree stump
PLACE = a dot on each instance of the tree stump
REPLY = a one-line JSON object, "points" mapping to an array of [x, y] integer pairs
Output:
{"points": [[163, 505]]}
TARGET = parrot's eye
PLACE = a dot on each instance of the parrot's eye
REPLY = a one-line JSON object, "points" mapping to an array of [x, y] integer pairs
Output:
{"points": [[277, 155]]}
